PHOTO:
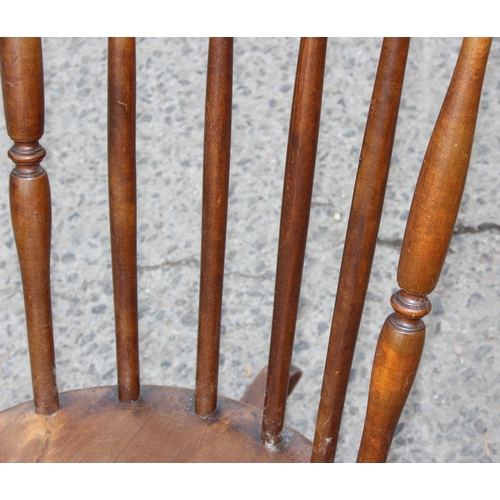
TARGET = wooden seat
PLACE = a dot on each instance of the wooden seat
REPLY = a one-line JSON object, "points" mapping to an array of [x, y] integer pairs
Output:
{"points": [[132, 422]]}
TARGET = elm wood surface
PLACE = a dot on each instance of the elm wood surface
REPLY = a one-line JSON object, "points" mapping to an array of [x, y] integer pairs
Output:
{"points": [[123, 211], [22, 89], [295, 209], [217, 149], [427, 237], [160, 427], [360, 242]]}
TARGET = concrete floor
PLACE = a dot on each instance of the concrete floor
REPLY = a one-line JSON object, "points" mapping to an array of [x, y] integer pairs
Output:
{"points": [[452, 412]]}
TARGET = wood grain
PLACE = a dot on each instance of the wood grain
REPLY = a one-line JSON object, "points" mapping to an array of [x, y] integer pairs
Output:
{"points": [[217, 149], [295, 208], [161, 427], [428, 233], [130, 423], [360, 242], [30, 205], [123, 211]]}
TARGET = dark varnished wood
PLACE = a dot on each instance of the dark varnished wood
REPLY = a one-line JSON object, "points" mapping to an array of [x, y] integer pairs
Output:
{"points": [[123, 211], [168, 424], [360, 242], [256, 391], [22, 88], [161, 427], [297, 192], [428, 233], [217, 148]]}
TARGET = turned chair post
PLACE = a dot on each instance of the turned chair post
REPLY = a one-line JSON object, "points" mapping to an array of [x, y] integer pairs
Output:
{"points": [[427, 237], [23, 95]]}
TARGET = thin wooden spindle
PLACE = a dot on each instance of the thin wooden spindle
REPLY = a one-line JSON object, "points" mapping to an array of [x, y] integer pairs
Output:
{"points": [[361, 238], [428, 234], [297, 192], [217, 149], [30, 205], [123, 211]]}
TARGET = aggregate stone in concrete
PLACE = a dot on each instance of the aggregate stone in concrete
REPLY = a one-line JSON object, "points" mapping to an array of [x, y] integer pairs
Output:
{"points": [[452, 412]]}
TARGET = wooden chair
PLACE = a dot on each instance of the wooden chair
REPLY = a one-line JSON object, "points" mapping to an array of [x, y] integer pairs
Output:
{"points": [[131, 422]]}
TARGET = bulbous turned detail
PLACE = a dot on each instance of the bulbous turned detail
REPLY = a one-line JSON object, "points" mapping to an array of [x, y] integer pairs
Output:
{"points": [[27, 157], [427, 237], [409, 309], [397, 356]]}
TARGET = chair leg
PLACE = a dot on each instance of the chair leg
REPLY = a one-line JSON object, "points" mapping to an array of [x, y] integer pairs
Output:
{"points": [[256, 391]]}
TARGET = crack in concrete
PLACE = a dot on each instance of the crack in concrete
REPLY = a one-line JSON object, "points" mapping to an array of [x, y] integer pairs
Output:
{"points": [[192, 260], [486, 226], [251, 276], [170, 263], [393, 243], [459, 229]]}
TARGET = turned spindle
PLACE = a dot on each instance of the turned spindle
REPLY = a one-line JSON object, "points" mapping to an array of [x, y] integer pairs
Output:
{"points": [[123, 211], [361, 239], [217, 149], [427, 237], [30, 205], [297, 192]]}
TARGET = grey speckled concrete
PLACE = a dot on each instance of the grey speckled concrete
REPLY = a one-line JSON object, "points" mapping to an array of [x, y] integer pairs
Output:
{"points": [[452, 414]]}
